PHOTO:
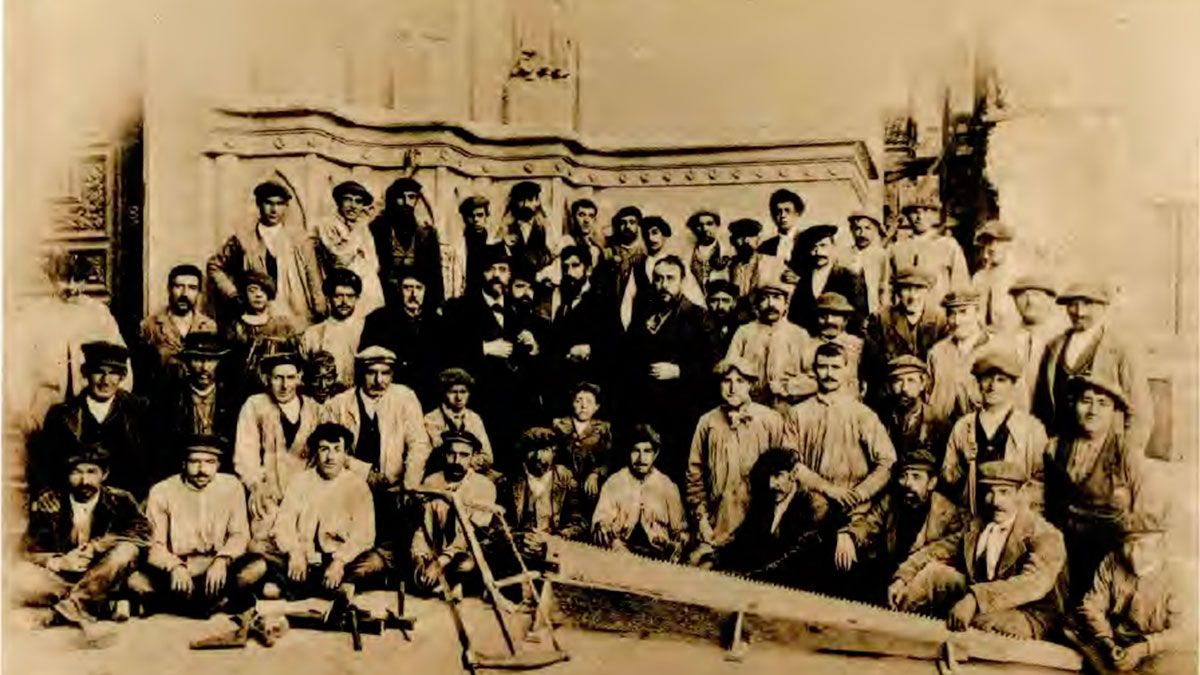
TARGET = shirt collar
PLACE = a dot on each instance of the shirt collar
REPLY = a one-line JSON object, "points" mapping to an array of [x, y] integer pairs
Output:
{"points": [[85, 506], [99, 409]]}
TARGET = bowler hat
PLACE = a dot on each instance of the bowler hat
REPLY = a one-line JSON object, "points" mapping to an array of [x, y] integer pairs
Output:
{"points": [[102, 353], [960, 297], [1103, 384], [1094, 291], [1001, 472], [745, 227], [204, 345], [494, 254], [270, 188], [209, 443], [1034, 282], [1002, 360], [920, 458], [907, 363], [737, 363], [815, 233], [835, 303], [88, 453], [994, 230], [351, 187]]}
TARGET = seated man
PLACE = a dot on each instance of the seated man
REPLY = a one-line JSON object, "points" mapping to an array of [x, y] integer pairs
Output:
{"points": [[454, 415], [440, 547], [639, 508], [543, 499], [83, 540], [1001, 574], [325, 529], [1129, 619], [777, 540], [586, 440], [200, 532], [909, 517]]}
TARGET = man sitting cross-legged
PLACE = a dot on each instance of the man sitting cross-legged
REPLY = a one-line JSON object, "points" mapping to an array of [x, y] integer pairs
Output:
{"points": [[84, 537], [639, 509], [1003, 573], [543, 499], [198, 563]]}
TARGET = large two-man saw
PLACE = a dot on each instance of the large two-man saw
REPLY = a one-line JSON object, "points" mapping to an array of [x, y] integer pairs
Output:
{"points": [[618, 591]]}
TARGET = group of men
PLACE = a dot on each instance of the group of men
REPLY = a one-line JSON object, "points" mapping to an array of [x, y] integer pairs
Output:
{"points": [[872, 422]]}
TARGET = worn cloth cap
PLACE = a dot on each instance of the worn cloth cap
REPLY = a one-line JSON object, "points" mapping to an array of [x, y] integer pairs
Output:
{"points": [[209, 443], [1003, 360], [725, 286], [270, 188], [960, 297], [205, 345], [101, 353], [375, 354], [907, 364], [862, 215], [591, 387], [1035, 282], [745, 227], [461, 436], [352, 187], [737, 363], [834, 302], [772, 286], [994, 230], [1095, 291], [1001, 472], [88, 453], [1101, 383], [536, 438], [919, 459], [913, 276], [452, 376]]}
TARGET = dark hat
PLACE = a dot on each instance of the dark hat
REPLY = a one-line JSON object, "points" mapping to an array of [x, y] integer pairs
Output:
{"points": [[452, 376], [526, 189], [644, 433], [862, 215], [1094, 291], [693, 221], [205, 443], [994, 230], [960, 297], [834, 303], [725, 286], [745, 227], [270, 188], [590, 387], [471, 203], [203, 345], [737, 363], [279, 352], [405, 184], [340, 276], [88, 453], [461, 436], [1001, 472], [494, 254], [907, 364], [536, 438], [815, 233], [1103, 384], [260, 279], [920, 458], [1034, 281], [913, 276], [523, 269], [351, 187], [1003, 360], [926, 196], [656, 222], [101, 353]]}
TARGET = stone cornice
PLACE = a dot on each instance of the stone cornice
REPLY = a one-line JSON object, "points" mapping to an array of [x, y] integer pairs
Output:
{"points": [[358, 138]]}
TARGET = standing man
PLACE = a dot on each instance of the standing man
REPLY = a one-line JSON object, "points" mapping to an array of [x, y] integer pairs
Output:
{"points": [[83, 539], [665, 360], [656, 232], [954, 391], [707, 257], [913, 324], [995, 276], [199, 404], [818, 274], [385, 420], [625, 247], [583, 327], [340, 333], [727, 442], [103, 414], [413, 329], [775, 348], [1041, 321], [1002, 574], [872, 260], [524, 235], [746, 267], [1090, 345], [406, 245], [475, 211], [780, 250], [581, 228], [929, 247], [346, 243], [724, 316], [453, 416], [161, 335], [906, 415], [269, 248]]}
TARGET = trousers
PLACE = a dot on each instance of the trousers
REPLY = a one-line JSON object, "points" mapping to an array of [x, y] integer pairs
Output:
{"points": [[242, 580], [938, 586], [35, 586]]}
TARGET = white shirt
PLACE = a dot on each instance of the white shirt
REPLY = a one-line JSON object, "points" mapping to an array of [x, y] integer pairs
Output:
{"points": [[820, 276], [291, 409], [780, 509], [81, 519], [497, 307], [991, 544], [371, 405], [271, 236], [183, 324], [1079, 341], [99, 409]]}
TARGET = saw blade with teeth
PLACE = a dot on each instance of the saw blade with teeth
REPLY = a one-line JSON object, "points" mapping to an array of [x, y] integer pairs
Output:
{"points": [[585, 566]]}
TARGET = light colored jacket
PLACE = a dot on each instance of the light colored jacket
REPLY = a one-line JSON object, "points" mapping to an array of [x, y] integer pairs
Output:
{"points": [[403, 441], [260, 452], [1027, 446]]}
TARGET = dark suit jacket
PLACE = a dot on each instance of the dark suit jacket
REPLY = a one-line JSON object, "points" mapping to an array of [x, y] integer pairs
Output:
{"points": [[417, 343], [533, 251], [785, 556], [123, 434], [116, 518], [876, 533], [591, 452], [566, 520], [592, 322], [681, 340], [846, 282], [173, 423], [897, 338], [426, 258]]}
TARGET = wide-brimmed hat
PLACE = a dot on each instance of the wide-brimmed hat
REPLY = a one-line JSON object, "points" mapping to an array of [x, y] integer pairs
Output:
{"points": [[862, 215], [994, 230], [103, 353], [815, 233], [203, 345], [1103, 384], [745, 227]]}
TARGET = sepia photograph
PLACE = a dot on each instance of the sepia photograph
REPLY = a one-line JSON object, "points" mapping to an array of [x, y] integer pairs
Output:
{"points": [[573, 336]]}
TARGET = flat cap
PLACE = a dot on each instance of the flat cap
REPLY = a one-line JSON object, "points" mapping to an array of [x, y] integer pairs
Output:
{"points": [[102, 353], [725, 286], [994, 230], [461, 436], [209, 443], [835, 303], [88, 453], [280, 352], [815, 233], [1002, 360], [204, 345], [1103, 384], [862, 215], [1006, 473], [1095, 291], [1033, 282], [270, 188], [772, 285], [920, 458], [737, 363], [960, 297], [745, 227], [351, 187], [375, 354], [452, 376], [590, 387], [913, 276], [907, 364]]}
